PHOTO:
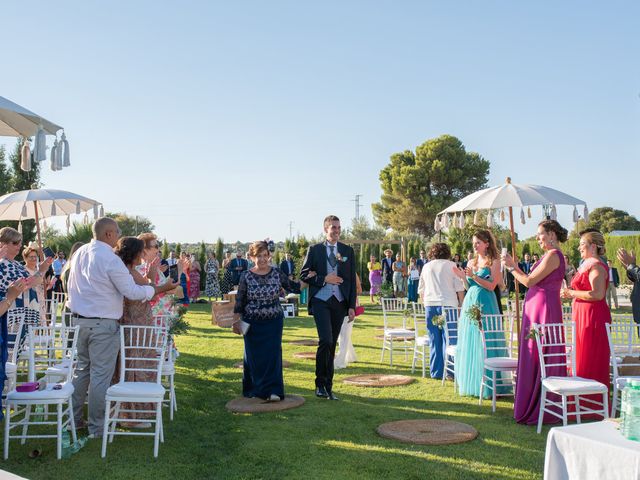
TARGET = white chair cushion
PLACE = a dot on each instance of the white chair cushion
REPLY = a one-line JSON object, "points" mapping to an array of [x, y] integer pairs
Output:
{"points": [[498, 363], [43, 395], [573, 385], [136, 389], [398, 332], [621, 382], [451, 350]]}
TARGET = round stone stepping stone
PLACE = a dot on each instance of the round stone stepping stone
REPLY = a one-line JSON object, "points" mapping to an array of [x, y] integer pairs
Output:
{"points": [[285, 364], [307, 342], [258, 405], [378, 380], [428, 432], [307, 355]]}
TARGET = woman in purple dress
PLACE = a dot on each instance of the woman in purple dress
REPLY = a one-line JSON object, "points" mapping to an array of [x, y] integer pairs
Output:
{"points": [[541, 305]]}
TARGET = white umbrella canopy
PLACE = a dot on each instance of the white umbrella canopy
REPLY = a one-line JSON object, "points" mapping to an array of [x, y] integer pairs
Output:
{"points": [[512, 195], [17, 121], [45, 202]]}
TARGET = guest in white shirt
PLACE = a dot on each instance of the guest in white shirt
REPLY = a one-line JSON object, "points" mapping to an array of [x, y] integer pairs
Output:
{"points": [[439, 287], [98, 283]]}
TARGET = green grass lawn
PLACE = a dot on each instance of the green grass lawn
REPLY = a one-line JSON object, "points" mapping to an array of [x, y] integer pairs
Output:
{"points": [[319, 440]]}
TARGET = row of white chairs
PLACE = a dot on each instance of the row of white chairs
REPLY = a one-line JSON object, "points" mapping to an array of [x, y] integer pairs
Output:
{"points": [[51, 356]]}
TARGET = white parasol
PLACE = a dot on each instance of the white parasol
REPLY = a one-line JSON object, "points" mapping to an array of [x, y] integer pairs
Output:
{"points": [[508, 196]]}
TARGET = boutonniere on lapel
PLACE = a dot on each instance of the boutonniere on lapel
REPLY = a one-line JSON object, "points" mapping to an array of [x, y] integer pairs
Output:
{"points": [[340, 258]]}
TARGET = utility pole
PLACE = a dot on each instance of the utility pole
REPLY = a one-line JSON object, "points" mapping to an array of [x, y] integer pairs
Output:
{"points": [[358, 205]]}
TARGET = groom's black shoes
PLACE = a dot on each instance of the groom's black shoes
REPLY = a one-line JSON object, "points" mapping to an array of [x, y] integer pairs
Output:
{"points": [[321, 392], [332, 396]]}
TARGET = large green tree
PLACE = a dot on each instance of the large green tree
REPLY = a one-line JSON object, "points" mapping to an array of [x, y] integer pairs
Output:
{"points": [[607, 219], [416, 186], [132, 225]]}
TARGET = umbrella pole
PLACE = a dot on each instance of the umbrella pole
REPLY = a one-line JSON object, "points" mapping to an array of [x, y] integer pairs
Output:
{"points": [[513, 254], [44, 280]]}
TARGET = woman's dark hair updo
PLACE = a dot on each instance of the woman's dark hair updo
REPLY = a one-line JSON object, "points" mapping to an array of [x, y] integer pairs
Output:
{"points": [[555, 227]]}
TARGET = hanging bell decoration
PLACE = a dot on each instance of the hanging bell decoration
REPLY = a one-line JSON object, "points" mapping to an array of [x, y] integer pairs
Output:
{"points": [[476, 217], [25, 156], [40, 145], [585, 214], [522, 220], [64, 151], [489, 218], [576, 217]]}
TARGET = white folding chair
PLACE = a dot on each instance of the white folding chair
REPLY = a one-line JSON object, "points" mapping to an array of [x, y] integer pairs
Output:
{"points": [[451, 315], [169, 364], [19, 404], [421, 342], [622, 343], [15, 332], [395, 327], [497, 355], [141, 351], [556, 348]]}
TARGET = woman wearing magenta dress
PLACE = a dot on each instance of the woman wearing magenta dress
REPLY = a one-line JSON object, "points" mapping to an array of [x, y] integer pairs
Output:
{"points": [[541, 305], [590, 313]]}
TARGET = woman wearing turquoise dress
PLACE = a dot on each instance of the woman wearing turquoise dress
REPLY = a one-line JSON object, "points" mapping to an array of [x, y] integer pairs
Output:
{"points": [[480, 277]]}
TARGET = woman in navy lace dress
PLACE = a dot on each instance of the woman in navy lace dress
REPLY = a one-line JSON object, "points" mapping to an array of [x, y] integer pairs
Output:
{"points": [[258, 304]]}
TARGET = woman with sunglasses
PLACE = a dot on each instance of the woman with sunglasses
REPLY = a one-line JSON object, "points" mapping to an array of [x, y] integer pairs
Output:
{"points": [[151, 268]]}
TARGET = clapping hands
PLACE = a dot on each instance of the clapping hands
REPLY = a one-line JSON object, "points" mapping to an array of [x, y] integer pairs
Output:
{"points": [[625, 257]]}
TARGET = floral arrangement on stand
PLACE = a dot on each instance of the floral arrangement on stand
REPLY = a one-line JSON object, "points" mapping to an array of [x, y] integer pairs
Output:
{"points": [[178, 324], [475, 313]]}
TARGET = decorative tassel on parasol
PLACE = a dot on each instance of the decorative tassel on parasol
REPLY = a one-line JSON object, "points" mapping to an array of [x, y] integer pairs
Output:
{"points": [[554, 213], [454, 220], [585, 214], [522, 220], [23, 213], [85, 220], [64, 149], [445, 221], [68, 223], [78, 211], [489, 218], [101, 211], [95, 212], [25, 156], [461, 221], [436, 224], [576, 217], [502, 215], [54, 153], [476, 218], [44, 224], [529, 212], [53, 209], [40, 145], [20, 227]]}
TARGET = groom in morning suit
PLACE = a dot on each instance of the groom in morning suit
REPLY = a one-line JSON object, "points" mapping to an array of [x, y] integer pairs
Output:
{"points": [[332, 296]]}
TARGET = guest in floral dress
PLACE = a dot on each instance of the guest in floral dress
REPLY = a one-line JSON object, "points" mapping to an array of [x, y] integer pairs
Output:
{"points": [[194, 280], [212, 287], [258, 304], [35, 298], [137, 312], [163, 303]]}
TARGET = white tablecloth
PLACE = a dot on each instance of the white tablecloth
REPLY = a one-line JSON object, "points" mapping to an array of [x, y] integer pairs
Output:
{"points": [[591, 451]]}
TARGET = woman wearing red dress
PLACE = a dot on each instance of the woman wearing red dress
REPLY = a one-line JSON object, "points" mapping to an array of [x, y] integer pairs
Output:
{"points": [[590, 312]]}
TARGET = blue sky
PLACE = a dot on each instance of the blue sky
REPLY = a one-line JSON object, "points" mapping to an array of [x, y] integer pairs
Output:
{"points": [[232, 119]]}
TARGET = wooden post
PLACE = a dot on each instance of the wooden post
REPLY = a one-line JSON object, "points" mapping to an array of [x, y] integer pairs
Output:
{"points": [[513, 254]]}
